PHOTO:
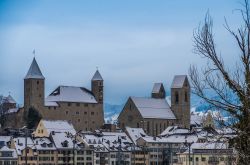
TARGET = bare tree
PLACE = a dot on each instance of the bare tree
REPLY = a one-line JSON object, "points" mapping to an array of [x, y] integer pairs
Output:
{"points": [[229, 85]]}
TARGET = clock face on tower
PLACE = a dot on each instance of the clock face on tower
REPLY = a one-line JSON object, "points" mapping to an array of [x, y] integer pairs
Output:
{"points": [[130, 118]]}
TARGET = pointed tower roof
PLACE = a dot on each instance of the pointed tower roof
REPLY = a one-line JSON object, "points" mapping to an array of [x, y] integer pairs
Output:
{"points": [[34, 71], [10, 99], [97, 76]]}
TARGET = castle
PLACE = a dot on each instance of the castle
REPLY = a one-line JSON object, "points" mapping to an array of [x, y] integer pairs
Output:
{"points": [[78, 105], [154, 114]]}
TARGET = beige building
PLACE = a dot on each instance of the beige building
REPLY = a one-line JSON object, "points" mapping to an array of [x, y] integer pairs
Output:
{"points": [[155, 114], [20, 145], [78, 105], [213, 153]]}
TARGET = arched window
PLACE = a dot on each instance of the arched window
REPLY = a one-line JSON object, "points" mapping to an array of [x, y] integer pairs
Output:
{"points": [[186, 97], [176, 97]]}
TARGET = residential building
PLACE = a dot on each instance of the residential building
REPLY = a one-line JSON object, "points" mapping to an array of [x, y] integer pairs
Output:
{"points": [[206, 154], [26, 150]]}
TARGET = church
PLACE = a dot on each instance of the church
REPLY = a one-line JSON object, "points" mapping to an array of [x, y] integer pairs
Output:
{"points": [[154, 114], [80, 106]]}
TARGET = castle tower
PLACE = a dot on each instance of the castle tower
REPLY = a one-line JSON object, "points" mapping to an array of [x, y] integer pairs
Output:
{"points": [[180, 100], [34, 87], [158, 91], [97, 87]]}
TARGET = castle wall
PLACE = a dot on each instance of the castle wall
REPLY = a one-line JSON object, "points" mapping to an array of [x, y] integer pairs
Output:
{"points": [[83, 116]]}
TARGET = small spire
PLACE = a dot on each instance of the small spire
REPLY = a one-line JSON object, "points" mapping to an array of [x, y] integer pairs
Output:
{"points": [[34, 71], [97, 76], [34, 52]]}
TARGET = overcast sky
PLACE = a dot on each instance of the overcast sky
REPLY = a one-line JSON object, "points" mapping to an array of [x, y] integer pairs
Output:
{"points": [[134, 43]]}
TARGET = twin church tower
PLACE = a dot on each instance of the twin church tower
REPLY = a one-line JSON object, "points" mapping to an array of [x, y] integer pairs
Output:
{"points": [[78, 105]]}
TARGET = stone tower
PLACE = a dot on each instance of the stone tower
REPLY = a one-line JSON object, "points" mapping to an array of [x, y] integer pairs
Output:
{"points": [[158, 91], [180, 100], [34, 88], [97, 87]]}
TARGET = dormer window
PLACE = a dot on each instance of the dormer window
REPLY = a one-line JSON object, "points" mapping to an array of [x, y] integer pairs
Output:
{"points": [[65, 143]]}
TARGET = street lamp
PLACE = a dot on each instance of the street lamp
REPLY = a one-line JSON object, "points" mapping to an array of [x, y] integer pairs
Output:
{"points": [[26, 156], [189, 145], [74, 143]]}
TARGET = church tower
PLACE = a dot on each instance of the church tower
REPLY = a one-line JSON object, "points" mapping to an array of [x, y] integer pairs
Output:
{"points": [[34, 87], [97, 87], [180, 100]]}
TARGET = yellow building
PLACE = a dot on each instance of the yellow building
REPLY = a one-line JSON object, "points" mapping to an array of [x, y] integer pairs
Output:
{"points": [[46, 127]]}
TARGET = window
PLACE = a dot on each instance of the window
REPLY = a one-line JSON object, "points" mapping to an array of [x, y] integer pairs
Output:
{"points": [[79, 120], [77, 104], [54, 107], [37, 82], [196, 159], [69, 104], [77, 113], [67, 112], [92, 113], [86, 105], [176, 97], [138, 125], [85, 113], [186, 97]]}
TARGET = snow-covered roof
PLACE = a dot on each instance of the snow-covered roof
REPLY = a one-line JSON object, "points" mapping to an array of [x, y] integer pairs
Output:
{"points": [[62, 140], [58, 126], [7, 149], [96, 142], [19, 143], [12, 110], [196, 119], [50, 103], [208, 145], [44, 144], [174, 130], [34, 71], [111, 141], [153, 108], [172, 139], [10, 99], [156, 87], [5, 139], [97, 76], [135, 133], [71, 94], [181, 138], [178, 81]]}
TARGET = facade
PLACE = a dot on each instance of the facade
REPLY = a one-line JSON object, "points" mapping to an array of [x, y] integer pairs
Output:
{"points": [[78, 105], [215, 153], [22, 148], [8, 156], [154, 114]]}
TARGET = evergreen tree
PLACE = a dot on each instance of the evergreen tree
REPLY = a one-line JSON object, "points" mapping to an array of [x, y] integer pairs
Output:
{"points": [[32, 118]]}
